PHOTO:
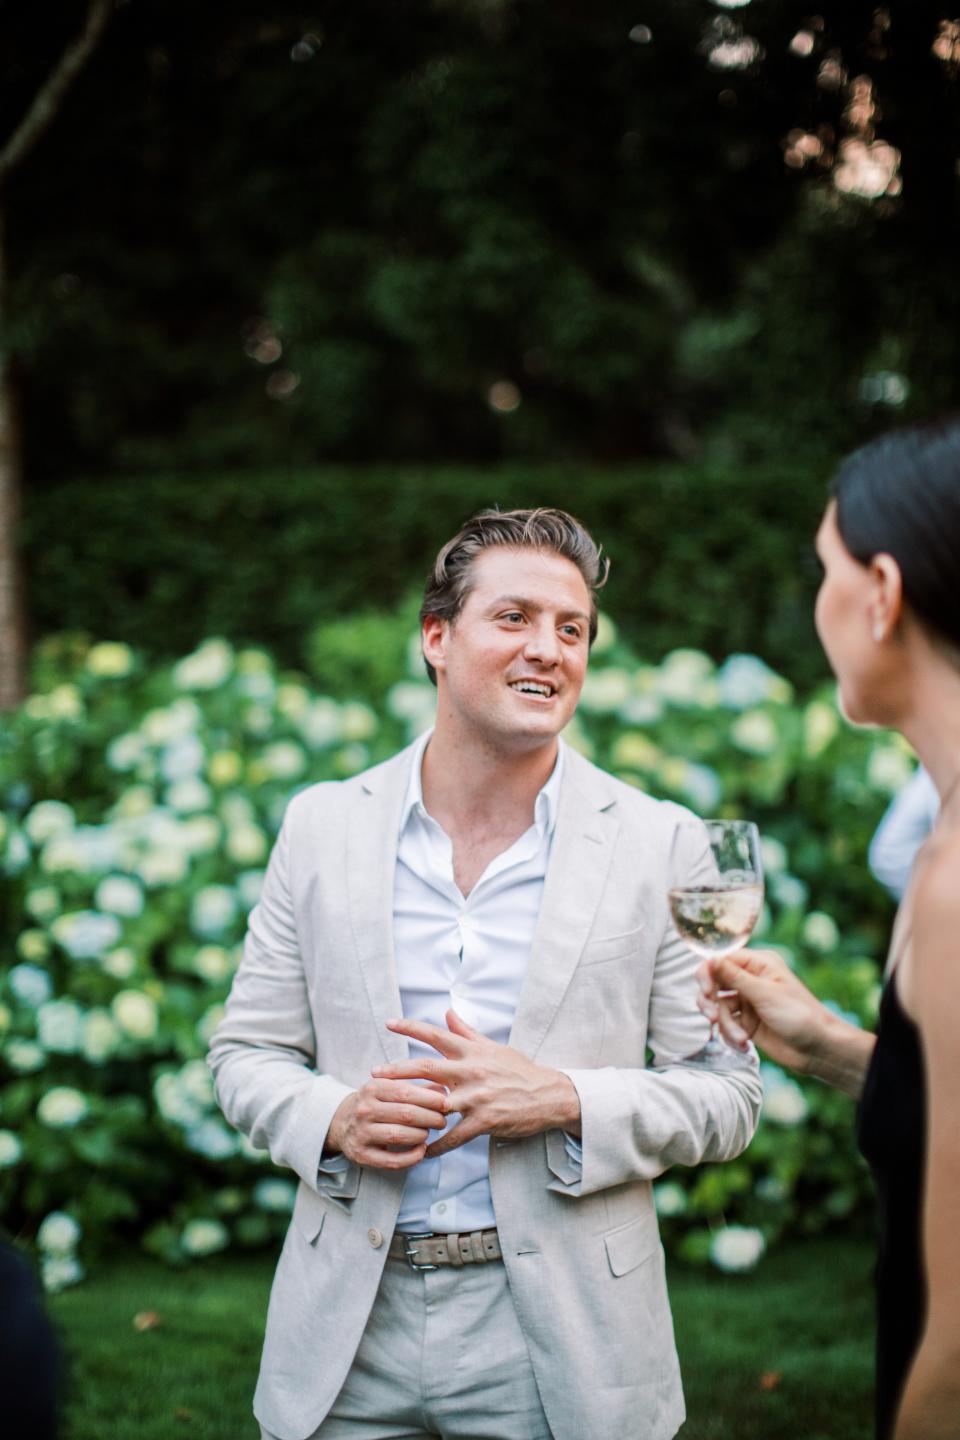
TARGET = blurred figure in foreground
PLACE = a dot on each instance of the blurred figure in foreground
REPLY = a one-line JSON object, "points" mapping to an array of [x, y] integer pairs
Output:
{"points": [[906, 823], [29, 1362], [888, 616]]}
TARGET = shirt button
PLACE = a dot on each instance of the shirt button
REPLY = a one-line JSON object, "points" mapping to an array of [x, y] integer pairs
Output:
{"points": [[375, 1237]]}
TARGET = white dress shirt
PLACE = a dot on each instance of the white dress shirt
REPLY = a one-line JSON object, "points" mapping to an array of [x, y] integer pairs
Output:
{"points": [[469, 954]]}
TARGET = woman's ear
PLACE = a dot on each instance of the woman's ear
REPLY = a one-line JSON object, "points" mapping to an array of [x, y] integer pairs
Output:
{"points": [[886, 600]]}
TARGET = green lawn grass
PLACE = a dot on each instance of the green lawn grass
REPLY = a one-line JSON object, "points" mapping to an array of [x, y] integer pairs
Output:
{"points": [[783, 1354]]}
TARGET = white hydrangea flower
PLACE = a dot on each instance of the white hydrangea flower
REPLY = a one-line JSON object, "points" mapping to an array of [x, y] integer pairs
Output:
{"points": [[189, 795], [64, 703], [204, 1237], [207, 668], [357, 721], [101, 1036], [820, 724], [63, 1107], [745, 681], [135, 802], [60, 1026], [174, 1103], [30, 985], [86, 934], [258, 720], [120, 895], [212, 911], [236, 809], [212, 1139], [788, 891], [773, 854], [43, 902], [413, 702], [208, 1023], [163, 726], [606, 634], [785, 1103], [257, 686], [321, 725], [136, 1014], [58, 1272], [24, 1056], [59, 1233], [771, 1188], [213, 963], [48, 818], [250, 888], [737, 1248], [604, 691], [641, 710], [293, 701], [275, 1195], [10, 1149], [184, 759], [352, 759], [702, 787], [16, 855], [120, 963], [888, 769], [635, 752], [820, 932], [200, 834], [682, 676], [755, 733], [126, 751], [167, 866], [284, 760], [110, 660], [246, 844], [224, 767], [669, 1198], [33, 945]]}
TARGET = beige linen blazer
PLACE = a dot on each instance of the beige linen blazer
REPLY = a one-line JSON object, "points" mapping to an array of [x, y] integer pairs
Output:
{"points": [[608, 976]]}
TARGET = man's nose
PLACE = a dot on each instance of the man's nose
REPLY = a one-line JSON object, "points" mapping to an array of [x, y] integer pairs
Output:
{"points": [[543, 644]]}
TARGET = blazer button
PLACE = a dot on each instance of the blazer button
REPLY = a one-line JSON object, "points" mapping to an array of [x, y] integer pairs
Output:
{"points": [[375, 1237]]}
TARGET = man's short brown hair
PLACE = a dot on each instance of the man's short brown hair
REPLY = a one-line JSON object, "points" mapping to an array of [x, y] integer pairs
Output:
{"points": [[449, 582]]}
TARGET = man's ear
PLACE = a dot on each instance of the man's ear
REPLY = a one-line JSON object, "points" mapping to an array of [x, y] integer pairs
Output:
{"points": [[886, 602], [433, 634]]}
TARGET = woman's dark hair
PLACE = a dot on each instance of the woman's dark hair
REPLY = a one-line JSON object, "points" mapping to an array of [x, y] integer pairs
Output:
{"points": [[900, 496]]}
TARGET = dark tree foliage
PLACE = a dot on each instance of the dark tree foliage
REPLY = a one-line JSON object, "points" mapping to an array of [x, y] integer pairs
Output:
{"points": [[419, 230]]}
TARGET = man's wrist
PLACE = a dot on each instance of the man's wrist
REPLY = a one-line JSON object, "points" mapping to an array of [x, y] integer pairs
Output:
{"points": [[565, 1105]]}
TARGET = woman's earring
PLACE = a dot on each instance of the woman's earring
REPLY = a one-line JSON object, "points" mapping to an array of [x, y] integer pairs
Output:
{"points": [[878, 632]]}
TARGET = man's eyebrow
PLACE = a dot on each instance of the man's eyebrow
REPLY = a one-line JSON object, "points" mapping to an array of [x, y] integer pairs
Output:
{"points": [[523, 602]]}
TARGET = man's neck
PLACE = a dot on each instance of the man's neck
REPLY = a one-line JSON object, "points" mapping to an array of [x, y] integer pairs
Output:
{"points": [[482, 787]]}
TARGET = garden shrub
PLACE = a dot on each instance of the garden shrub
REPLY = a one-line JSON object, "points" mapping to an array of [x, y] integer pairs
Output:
{"points": [[139, 803]]}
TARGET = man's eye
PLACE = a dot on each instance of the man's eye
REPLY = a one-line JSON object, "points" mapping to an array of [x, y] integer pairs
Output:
{"points": [[514, 616], [573, 631]]}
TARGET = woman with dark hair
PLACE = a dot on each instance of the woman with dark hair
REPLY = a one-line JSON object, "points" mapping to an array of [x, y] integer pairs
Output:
{"points": [[888, 616]]}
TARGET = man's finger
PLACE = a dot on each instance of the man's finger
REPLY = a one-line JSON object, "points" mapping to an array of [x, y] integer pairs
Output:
{"points": [[377, 1159], [443, 1071], [459, 1135], [433, 1035], [384, 1135], [425, 1095], [460, 1027]]}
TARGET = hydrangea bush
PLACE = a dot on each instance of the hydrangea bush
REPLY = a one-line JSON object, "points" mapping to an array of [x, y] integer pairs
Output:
{"points": [[139, 805]]}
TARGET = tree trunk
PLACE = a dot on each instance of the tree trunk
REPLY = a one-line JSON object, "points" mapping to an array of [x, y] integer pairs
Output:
{"points": [[13, 643]]}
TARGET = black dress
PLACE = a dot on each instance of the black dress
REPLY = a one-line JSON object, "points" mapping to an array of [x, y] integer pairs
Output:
{"points": [[892, 1137]]}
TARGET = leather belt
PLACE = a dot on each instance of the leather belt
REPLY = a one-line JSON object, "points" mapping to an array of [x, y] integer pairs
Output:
{"points": [[427, 1252]]}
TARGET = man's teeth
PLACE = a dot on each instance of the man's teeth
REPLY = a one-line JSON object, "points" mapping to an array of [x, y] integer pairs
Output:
{"points": [[531, 689]]}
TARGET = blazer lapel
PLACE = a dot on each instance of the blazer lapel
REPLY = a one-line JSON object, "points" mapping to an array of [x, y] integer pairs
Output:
{"points": [[373, 827], [579, 859]]}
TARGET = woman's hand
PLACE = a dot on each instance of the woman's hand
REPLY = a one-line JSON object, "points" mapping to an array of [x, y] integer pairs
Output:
{"points": [[754, 995]]}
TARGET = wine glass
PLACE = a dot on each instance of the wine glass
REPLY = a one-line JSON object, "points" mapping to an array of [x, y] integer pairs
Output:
{"points": [[715, 895]]}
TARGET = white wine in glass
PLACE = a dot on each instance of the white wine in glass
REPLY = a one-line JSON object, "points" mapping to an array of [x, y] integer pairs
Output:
{"points": [[715, 915]]}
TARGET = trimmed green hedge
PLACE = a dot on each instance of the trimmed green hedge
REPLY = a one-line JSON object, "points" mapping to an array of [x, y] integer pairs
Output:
{"points": [[718, 559]]}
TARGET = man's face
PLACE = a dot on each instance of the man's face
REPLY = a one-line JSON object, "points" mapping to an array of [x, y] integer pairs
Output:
{"points": [[510, 667]]}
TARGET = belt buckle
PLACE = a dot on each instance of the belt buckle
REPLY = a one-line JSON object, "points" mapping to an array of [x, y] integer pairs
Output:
{"points": [[411, 1253]]}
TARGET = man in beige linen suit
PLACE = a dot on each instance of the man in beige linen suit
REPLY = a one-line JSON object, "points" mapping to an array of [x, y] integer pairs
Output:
{"points": [[441, 1024]]}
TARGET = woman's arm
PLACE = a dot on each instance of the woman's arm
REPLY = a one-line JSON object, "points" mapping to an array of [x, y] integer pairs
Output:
{"points": [[770, 1006], [930, 1409]]}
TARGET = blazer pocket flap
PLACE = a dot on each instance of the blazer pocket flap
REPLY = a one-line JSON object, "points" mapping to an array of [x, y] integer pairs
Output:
{"points": [[630, 1245], [309, 1212], [611, 947]]}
